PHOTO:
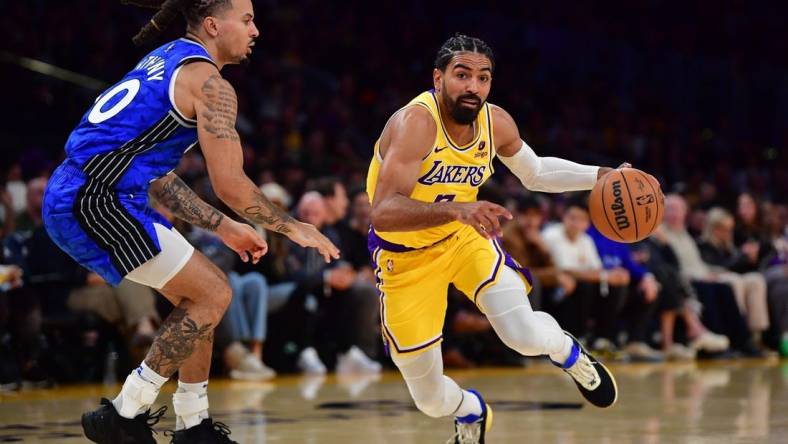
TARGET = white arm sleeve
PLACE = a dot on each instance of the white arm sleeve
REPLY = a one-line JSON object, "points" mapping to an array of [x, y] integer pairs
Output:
{"points": [[549, 174]]}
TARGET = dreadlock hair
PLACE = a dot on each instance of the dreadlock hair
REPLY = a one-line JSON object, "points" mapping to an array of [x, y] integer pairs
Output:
{"points": [[462, 43], [194, 11]]}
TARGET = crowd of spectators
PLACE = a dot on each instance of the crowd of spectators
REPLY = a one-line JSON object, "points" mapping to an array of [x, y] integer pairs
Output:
{"points": [[693, 101]]}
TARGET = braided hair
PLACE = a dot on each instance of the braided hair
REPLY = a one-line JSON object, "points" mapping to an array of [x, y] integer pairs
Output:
{"points": [[194, 11], [462, 43]]}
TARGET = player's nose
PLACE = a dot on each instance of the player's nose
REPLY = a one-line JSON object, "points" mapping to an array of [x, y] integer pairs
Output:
{"points": [[472, 87]]}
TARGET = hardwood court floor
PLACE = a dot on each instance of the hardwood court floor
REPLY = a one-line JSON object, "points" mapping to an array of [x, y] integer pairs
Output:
{"points": [[716, 402]]}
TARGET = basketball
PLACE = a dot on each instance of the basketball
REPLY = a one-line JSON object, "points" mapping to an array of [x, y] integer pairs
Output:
{"points": [[626, 205]]}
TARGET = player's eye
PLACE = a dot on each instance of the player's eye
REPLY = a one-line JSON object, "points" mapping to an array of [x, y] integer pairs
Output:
{"points": [[484, 79], [462, 75]]}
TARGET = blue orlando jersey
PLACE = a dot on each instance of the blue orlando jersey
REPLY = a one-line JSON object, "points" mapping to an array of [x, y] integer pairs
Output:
{"points": [[134, 133]]}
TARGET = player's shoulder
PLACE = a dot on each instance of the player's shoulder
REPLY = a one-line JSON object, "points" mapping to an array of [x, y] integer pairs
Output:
{"points": [[506, 132], [413, 119], [198, 74], [500, 115]]}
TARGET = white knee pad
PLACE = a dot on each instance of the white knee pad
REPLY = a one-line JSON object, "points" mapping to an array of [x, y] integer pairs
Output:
{"points": [[434, 394], [507, 308]]}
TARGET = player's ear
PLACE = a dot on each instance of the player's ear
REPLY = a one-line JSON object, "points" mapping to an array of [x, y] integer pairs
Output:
{"points": [[211, 26], [437, 79]]}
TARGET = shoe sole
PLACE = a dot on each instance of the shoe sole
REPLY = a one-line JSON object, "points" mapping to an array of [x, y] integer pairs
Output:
{"points": [[89, 430], [599, 366]]}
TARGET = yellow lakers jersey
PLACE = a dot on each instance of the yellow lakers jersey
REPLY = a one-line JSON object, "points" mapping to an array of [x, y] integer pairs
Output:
{"points": [[449, 173]]}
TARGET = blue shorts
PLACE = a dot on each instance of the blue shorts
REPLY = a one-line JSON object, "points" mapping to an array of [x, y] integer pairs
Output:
{"points": [[107, 231]]}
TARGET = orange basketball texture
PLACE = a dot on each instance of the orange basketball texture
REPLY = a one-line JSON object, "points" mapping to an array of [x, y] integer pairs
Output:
{"points": [[626, 205]]}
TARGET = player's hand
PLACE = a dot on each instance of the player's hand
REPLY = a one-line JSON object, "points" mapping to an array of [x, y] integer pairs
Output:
{"points": [[483, 217], [308, 236], [242, 239], [604, 170]]}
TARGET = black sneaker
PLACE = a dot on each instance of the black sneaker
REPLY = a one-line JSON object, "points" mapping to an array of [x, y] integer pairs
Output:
{"points": [[593, 379], [106, 426], [207, 432]]}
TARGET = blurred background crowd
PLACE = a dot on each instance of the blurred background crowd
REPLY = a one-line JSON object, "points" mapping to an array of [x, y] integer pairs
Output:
{"points": [[690, 93]]}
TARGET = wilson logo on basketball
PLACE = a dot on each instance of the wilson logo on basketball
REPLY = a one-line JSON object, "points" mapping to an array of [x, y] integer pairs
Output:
{"points": [[622, 221]]}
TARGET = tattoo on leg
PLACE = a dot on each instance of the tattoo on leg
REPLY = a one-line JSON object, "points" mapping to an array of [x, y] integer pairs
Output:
{"points": [[176, 341]]}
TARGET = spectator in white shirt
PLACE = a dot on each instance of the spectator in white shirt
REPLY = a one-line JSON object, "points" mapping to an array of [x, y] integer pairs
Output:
{"points": [[600, 294]]}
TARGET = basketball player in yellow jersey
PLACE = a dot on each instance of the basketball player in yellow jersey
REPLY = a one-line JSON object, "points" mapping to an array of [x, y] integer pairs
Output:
{"points": [[428, 231]]}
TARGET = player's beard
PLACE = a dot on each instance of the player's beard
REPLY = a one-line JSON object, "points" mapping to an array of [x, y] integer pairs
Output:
{"points": [[463, 114]]}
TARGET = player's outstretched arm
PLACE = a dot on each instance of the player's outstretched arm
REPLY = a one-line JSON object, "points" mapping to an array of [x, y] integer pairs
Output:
{"points": [[201, 88], [404, 144], [548, 174], [172, 193]]}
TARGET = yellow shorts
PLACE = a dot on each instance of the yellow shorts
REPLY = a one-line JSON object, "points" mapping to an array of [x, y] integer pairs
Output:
{"points": [[413, 284]]}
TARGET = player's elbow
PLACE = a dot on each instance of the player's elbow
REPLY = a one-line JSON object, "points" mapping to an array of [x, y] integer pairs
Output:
{"points": [[226, 192], [380, 219]]}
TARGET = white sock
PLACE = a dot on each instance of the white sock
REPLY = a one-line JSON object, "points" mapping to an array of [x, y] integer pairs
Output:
{"points": [[563, 355], [191, 404], [138, 392], [470, 405]]}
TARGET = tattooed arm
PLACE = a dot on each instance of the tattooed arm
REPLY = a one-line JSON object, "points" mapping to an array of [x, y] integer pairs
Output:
{"points": [[176, 196], [185, 204], [213, 101]]}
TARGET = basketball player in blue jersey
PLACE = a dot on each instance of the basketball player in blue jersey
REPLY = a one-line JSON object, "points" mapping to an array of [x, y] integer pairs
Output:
{"points": [[428, 230], [96, 207]]}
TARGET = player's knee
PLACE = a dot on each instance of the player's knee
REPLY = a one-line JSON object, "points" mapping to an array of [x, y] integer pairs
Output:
{"points": [[224, 295], [216, 296]]}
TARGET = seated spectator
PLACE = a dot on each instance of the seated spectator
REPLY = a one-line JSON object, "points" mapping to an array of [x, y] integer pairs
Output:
{"points": [[353, 234], [677, 301], [739, 267], [642, 301], [749, 230], [522, 239], [65, 289], [348, 305], [10, 368], [765, 229], [30, 216], [713, 287], [600, 294], [7, 219]]}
